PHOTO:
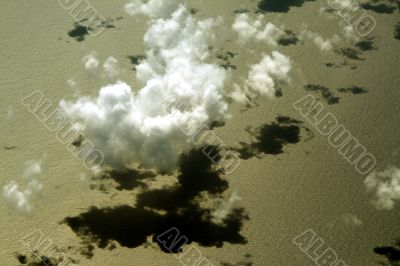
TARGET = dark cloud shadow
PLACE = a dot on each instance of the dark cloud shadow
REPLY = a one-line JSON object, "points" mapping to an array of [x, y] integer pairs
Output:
{"points": [[325, 92], [353, 90], [379, 8], [156, 211], [289, 39], [225, 57], [36, 258], [397, 31], [366, 45], [246, 261], [340, 65], [281, 6], [241, 11], [129, 179], [271, 138], [135, 60], [80, 29], [79, 32], [351, 53], [391, 253], [355, 52]]}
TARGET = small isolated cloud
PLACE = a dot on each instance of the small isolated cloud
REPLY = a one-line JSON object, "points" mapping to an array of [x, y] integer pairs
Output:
{"points": [[91, 63], [351, 219], [263, 78], [350, 35], [385, 187], [225, 208], [110, 68], [152, 8], [10, 112], [21, 200], [249, 29]]}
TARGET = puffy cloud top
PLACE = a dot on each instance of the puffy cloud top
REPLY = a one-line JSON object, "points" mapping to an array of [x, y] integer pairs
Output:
{"points": [[22, 200], [249, 29], [135, 127]]}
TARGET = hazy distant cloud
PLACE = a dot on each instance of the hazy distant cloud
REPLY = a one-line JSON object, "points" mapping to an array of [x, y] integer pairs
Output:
{"points": [[347, 36], [225, 207], [350, 34], [385, 186], [7, 111], [323, 44], [21, 200], [351, 219]]}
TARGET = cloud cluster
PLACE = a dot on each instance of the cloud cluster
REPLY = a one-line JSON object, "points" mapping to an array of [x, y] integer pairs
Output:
{"points": [[21, 200], [254, 29], [385, 186], [263, 78], [110, 66], [133, 127], [324, 44], [347, 36]]}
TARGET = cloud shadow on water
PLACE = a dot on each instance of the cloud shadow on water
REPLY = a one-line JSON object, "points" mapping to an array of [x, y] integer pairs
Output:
{"points": [[158, 210], [281, 6], [289, 39], [379, 8], [136, 60], [391, 253], [325, 92], [79, 32], [397, 31], [271, 138], [130, 178], [353, 90]]}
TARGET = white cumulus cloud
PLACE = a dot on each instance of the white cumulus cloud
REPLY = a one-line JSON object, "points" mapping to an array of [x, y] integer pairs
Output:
{"points": [[21, 200], [263, 78], [134, 127], [249, 29], [385, 187], [110, 68], [91, 63], [152, 8]]}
